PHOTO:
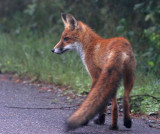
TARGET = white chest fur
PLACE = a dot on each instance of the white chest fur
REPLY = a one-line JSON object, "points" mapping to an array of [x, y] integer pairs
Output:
{"points": [[82, 54]]}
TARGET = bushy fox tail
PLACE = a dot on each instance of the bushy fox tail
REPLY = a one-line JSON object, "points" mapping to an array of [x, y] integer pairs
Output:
{"points": [[105, 88]]}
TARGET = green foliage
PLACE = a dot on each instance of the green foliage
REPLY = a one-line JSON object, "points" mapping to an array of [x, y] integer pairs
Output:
{"points": [[27, 27], [32, 57], [150, 55], [143, 95], [146, 104]]}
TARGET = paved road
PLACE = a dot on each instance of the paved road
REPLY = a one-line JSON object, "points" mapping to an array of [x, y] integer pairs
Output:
{"points": [[15, 119]]}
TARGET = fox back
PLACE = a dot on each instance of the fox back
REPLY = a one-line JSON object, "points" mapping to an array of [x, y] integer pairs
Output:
{"points": [[106, 61]]}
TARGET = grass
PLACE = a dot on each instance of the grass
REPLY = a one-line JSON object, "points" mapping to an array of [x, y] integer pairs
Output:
{"points": [[31, 56], [145, 88]]}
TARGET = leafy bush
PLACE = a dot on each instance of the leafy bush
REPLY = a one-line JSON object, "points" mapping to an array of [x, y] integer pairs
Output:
{"points": [[27, 27], [150, 51], [30, 56]]}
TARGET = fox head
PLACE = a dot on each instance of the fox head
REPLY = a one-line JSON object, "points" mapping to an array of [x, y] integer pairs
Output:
{"points": [[70, 36]]}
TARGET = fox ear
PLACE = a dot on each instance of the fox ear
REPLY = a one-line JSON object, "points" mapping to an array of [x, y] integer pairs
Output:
{"points": [[69, 21], [72, 22], [63, 16]]}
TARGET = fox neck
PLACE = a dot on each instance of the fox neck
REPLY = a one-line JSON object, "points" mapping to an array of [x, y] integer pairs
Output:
{"points": [[88, 39], [81, 53]]}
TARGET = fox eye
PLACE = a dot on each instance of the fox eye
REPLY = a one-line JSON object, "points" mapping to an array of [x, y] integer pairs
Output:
{"points": [[66, 38]]}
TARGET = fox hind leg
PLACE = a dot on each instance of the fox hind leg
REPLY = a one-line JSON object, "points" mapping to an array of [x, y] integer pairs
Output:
{"points": [[114, 125], [128, 84], [101, 117]]}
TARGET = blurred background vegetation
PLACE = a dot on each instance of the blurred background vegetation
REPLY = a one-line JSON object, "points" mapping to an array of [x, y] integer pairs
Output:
{"points": [[29, 29]]}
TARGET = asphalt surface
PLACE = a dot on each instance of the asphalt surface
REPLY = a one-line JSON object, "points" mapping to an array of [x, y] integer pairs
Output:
{"points": [[26, 110]]}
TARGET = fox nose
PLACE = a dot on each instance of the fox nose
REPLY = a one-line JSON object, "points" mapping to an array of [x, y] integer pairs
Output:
{"points": [[53, 50]]}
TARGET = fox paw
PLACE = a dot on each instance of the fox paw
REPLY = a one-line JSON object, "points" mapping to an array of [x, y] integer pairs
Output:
{"points": [[84, 124], [128, 123], [113, 127], [99, 121]]}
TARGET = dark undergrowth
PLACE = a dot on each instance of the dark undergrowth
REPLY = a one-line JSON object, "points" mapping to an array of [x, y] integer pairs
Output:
{"points": [[31, 56]]}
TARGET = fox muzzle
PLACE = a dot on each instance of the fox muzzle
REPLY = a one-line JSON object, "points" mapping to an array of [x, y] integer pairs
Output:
{"points": [[53, 50], [59, 50]]}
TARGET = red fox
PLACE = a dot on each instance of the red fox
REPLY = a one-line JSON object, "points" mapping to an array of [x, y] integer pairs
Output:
{"points": [[106, 61]]}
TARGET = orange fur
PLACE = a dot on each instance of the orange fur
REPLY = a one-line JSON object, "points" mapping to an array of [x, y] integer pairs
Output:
{"points": [[107, 61]]}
